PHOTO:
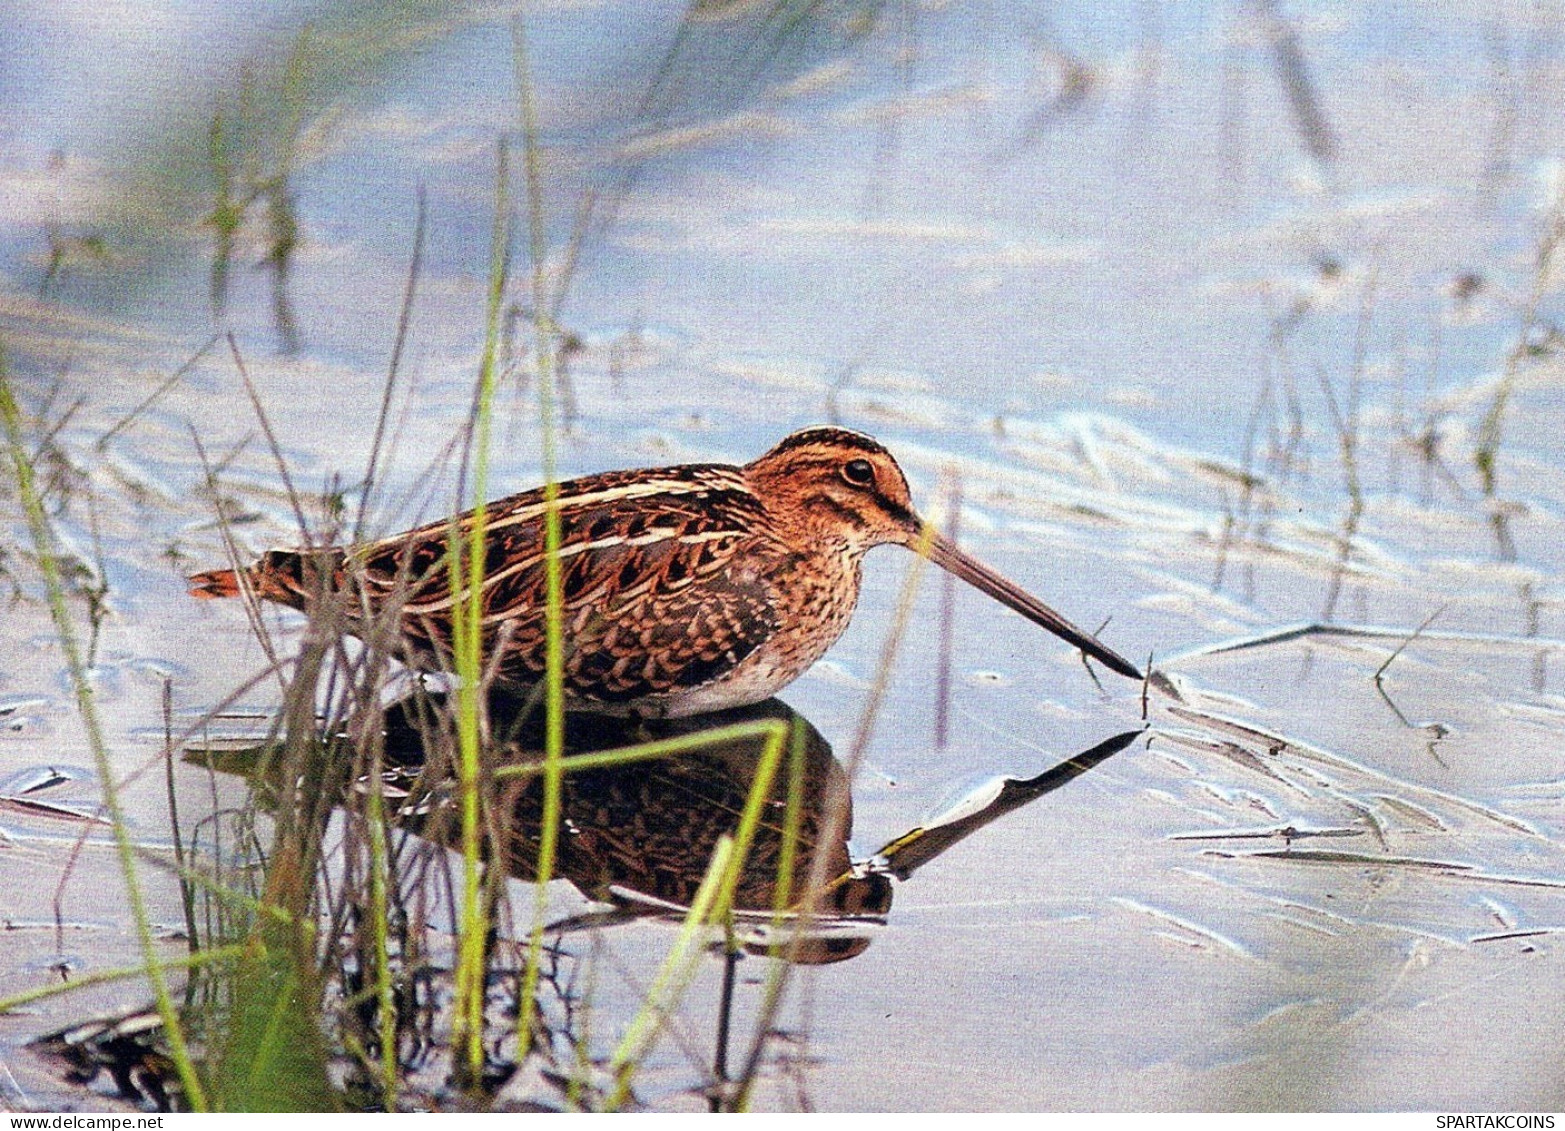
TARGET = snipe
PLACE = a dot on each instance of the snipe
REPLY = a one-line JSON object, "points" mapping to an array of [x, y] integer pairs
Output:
{"points": [[687, 589]]}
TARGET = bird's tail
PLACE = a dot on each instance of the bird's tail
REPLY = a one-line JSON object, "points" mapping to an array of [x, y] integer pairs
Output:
{"points": [[289, 577], [215, 583]]}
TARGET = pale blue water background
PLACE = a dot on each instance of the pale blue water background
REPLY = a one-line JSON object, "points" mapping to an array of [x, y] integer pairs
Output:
{"points": [[1074, 304]]}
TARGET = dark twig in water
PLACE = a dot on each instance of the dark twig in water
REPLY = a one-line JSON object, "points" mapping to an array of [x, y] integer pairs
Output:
{"points": [[1360, 859], [1426, 443], [75, 814], [1239, 522], [92, 582], [187, 894], [731, 956], [1224, 541], [1436, 731], [1501, 936], [1287, 633], [1086, 661], [1288, 833], [153, 397], [1346, 421], [1489, 430]]}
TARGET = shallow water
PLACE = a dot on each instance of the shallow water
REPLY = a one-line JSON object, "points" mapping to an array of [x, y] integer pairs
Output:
{"points": [[1079, 260]]}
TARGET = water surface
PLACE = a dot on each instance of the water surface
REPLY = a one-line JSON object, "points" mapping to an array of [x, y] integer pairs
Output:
{"points": [[1200, 373]]}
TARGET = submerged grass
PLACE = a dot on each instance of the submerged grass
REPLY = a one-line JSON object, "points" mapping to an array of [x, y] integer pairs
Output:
{"points": [[211, 957]]}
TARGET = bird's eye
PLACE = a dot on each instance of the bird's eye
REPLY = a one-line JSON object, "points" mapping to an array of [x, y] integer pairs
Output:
{"points": [[859, 472]]}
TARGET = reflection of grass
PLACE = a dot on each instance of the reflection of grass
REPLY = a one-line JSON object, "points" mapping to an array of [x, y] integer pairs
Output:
{"points": [[252, 165], [1491, 428], [224, 167], [230, 153], [1345, 422], [324, 958]]}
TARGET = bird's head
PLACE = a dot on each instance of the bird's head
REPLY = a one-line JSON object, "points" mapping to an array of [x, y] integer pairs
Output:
{"points": [[830, 486], [840, 491]]}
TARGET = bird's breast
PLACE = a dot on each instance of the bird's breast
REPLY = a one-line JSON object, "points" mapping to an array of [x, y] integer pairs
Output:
{"points": [[814, 597]]}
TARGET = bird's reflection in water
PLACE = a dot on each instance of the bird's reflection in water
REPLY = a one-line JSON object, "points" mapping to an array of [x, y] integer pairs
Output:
{"points": [[640, 836]]}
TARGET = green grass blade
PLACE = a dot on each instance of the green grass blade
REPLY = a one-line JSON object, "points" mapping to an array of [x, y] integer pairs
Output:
{"points": [[554, 626], [649, 751], [467, 579], [672, 977], [782, 901], [122, 973], [713, 903]]}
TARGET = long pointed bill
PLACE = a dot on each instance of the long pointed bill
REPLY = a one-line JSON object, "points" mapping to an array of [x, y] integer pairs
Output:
{"points": [[944, 553]]}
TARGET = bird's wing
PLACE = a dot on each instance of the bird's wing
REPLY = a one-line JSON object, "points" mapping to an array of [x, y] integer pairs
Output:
{"points": [[669, 638], [658, 590]]}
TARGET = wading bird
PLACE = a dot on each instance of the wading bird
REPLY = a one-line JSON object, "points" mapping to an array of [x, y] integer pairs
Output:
{"points": [[686, 589]]}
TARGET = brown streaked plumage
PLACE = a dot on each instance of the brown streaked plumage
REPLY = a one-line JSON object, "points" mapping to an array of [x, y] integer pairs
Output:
{"points": [[687, 589]]}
